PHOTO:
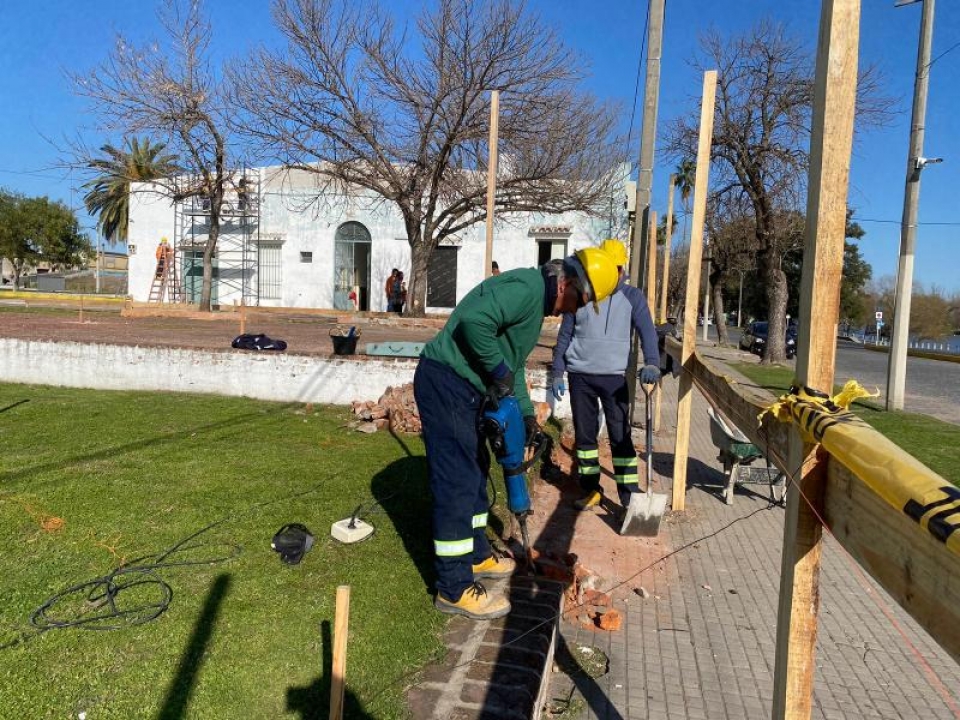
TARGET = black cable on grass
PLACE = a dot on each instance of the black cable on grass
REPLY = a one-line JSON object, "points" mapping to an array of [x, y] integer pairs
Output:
{"points": [[98, 604]]}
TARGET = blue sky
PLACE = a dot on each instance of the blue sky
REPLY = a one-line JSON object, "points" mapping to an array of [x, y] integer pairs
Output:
{"points": [[39, 41]]}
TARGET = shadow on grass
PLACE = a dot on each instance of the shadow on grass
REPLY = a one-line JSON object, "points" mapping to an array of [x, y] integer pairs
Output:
{"points": [[12, 405], [312, 702], [111, 452], [403, 491], [178, 694]]}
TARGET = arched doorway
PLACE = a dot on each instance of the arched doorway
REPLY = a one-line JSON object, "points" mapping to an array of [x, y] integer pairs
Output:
{"points": [[351, 266]]}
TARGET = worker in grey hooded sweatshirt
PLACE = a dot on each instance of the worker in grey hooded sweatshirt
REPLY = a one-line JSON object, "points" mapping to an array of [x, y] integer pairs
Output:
{"points": [[593, 348]]}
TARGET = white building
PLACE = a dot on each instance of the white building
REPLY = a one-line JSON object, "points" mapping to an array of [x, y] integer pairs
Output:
{"points": [[281, 245]]}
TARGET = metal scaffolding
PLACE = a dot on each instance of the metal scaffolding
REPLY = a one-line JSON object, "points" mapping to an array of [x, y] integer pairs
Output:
{"points": [[236, 258]]}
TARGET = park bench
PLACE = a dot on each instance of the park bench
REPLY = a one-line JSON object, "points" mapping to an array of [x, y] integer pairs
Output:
{"points": [[737, 454]]}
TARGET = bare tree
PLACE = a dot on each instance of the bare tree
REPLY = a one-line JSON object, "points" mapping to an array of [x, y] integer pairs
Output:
{"points": [[351, 99], [761, 141], [170, 93]]}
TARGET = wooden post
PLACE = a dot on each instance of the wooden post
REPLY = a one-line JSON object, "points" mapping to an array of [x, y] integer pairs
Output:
{"points": [[243, 317], [652, 303], [81, 308], [665, 277], [339, 670], [831, 140], [652, 265], [665, 286], [492, 178], [685, 395]]}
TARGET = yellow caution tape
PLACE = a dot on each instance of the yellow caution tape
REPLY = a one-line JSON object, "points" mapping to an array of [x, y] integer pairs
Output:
{"points": [[900, 479]]}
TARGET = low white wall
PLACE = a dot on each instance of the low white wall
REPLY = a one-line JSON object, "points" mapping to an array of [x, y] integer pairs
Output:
{"points": [[265, 376]]}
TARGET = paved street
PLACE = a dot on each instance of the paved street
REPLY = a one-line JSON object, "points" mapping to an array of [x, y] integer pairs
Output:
{"points": [[932, 388]]}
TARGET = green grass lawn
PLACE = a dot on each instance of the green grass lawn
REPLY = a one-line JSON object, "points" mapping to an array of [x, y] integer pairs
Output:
{"points": [[134, 474], [934, 442]]}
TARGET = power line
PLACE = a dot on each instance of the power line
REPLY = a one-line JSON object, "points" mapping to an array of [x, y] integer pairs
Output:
{"points": [[636, 87], [945, 52], [33, 173], [898, 222]]}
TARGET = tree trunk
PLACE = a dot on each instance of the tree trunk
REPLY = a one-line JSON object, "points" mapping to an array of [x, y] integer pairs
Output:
{"points": [[209, 249], [776, 281], [17, 269], [719, 316], [417, 289]]}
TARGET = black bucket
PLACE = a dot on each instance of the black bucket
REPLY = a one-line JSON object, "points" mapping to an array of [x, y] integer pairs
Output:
{"points": [[343, 345]]}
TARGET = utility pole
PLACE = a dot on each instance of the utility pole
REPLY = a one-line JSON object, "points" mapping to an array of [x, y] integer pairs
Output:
{"points": [[96, 267], [492, 178], [897, 368], [639, 229], [648, 136]]}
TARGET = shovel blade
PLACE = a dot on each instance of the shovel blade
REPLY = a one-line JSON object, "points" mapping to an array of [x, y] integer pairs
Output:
{"points": [[643, 514]]}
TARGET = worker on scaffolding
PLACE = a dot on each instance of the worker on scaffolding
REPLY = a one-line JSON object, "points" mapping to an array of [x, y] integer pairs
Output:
{"points": [[164, 256]]}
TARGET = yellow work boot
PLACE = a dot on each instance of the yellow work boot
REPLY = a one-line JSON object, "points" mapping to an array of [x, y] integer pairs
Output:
{"points": [[475, 603], [494, 567], [590, 500]]}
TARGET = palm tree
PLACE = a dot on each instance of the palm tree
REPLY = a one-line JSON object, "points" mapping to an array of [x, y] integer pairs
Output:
{"points": [[108, 194], [686, 177]]}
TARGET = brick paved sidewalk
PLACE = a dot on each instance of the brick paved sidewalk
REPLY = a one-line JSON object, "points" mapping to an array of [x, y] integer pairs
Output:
{"points": [[702, 644]]}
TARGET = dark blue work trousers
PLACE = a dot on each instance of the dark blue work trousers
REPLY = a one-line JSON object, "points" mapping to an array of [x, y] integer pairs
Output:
{"points": [[588, 393], [459, 463]]}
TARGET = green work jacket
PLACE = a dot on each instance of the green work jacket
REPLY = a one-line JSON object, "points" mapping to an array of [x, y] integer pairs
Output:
{"points": [[498, 321]]}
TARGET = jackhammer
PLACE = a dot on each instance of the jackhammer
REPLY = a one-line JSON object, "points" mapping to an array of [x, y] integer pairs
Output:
{"points": [[505, 431]]}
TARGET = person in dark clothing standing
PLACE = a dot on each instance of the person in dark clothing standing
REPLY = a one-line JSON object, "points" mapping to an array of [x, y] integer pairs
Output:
{"points": [[478, 358], [594, 350]]}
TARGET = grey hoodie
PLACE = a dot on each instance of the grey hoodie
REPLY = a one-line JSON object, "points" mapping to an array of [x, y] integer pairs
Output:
{"points": [[598, 343]]}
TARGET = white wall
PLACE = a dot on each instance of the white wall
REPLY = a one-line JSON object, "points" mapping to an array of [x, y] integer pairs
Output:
{"points": [[151, 218], [265, 376], [291, 214]]}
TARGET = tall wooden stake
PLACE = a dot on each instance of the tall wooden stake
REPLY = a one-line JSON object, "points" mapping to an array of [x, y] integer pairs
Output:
{"points": [[492, 178], [339, 671], [685, 394], [665, 278], [831, 139], [652, 265], [652, 304]]}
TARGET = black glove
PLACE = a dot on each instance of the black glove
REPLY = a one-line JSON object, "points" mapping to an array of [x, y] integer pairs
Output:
{"points": [[501, 385], [532, 428]]}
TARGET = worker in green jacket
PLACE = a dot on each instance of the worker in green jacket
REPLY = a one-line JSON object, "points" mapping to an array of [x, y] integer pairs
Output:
{"points": [[481, 353]]}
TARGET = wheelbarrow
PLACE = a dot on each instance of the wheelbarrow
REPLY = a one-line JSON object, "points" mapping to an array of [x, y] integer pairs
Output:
{"points": [[737, 454]]}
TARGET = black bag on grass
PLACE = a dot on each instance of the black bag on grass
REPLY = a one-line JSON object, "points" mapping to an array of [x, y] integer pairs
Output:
{"points": [[248, 341]]}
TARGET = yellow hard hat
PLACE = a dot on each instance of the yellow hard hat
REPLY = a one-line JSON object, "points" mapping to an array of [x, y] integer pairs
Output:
{"points": [[616, 249], [601, 273]]}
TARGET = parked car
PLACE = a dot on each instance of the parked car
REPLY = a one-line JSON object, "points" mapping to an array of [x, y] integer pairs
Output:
{"points": [[754, 338]]}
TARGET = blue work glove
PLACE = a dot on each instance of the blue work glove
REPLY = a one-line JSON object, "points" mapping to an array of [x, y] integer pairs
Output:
{"points": [[558, 388], [649, 375], [500, 385]]}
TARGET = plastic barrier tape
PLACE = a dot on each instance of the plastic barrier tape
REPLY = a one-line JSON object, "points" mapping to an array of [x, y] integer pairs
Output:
{"points": [[901, 480]]}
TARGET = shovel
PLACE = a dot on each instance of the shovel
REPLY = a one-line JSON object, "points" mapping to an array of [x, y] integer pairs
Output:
{"points": [[645, 510]]}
